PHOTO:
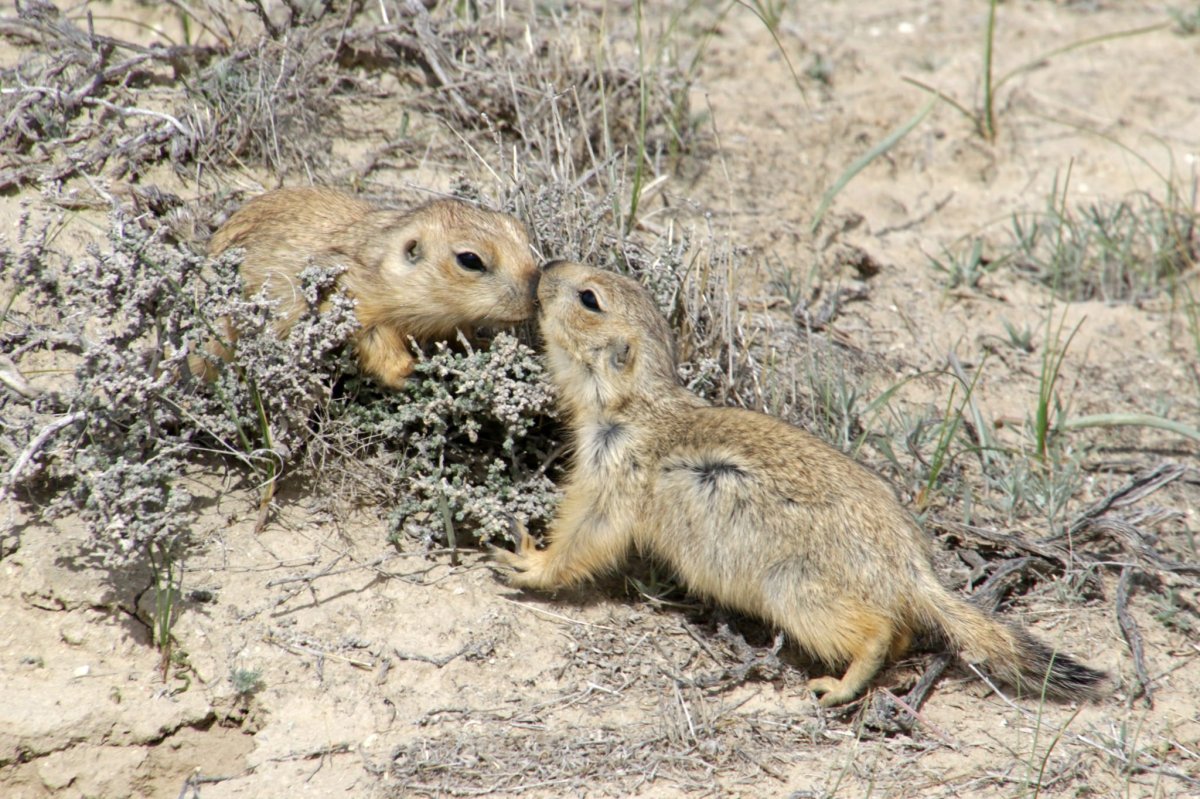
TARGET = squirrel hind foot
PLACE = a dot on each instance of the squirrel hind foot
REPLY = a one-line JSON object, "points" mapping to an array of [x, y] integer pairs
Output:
{"points": [[831, 691]]}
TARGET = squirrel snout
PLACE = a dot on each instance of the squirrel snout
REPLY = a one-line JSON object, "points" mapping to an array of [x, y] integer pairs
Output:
{"points": [[537, 278]]}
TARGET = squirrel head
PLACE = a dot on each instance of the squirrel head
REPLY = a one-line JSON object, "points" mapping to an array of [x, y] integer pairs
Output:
{"points": [[607, 344], [449, 264]]}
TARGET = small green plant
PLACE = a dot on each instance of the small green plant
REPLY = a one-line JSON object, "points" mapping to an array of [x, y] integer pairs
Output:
{"points": [[246, 682], [1019, 338], [964, 269], [1187, 20], [1050, 410], [984, 117], [1027, 488], [947, 430], [836, 405], [655, 585], [167, 571], [820, 69]]}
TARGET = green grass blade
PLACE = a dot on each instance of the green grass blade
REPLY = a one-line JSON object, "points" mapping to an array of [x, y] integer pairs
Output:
{"points": [[778, 45], [639, 167], [1088, 42], [1129, 420], [945, 98], [1052, 361], [885, 144], [989, 91]]}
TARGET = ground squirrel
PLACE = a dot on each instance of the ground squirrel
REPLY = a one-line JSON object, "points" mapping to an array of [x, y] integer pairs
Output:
{"points": [[748, 510], [419, 274]]}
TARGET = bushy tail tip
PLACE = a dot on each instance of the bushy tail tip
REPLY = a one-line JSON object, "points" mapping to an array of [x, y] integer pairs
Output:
{"points": [[1045, 671], [1009, 653]]}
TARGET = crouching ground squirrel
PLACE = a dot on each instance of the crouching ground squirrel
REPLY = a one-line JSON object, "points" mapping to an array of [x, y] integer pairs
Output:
{"points": [[419, 274], [748, 510]]}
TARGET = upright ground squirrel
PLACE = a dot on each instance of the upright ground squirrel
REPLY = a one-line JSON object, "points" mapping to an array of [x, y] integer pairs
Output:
{"points": [[748, 510]]}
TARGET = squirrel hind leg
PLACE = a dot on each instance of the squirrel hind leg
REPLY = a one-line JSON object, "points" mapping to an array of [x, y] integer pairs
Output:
{"points": [[901, 643], [873, 639]]}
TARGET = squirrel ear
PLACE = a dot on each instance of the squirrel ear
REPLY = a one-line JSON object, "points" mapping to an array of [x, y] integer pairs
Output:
{"points": [[618, 354], [412, 251]]}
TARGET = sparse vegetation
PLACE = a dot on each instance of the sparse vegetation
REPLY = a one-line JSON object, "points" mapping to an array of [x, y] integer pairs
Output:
{"points": [[963, 270], [1050, 409], [1187, 19], [983, 116], [859, 164], [1128, 250], [247, 682], [1117, 252], [1021, 338]]}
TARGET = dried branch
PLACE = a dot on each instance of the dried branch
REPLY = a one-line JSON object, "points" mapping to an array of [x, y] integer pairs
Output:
{"points": [[1142, 486], [1133, 636], [16, 472]]}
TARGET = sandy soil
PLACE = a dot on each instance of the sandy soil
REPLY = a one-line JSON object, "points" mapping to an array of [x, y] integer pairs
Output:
{"points": [[389, 673]]}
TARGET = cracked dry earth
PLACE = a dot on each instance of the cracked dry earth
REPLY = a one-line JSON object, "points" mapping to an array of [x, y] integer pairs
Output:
{"points": [[395, 673]]}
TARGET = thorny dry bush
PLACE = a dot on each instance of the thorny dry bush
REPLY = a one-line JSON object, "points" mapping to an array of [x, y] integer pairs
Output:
{"points": [[266, 89]]}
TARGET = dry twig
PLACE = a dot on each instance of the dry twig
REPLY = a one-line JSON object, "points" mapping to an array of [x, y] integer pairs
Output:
{"points": [[1133, 636]]}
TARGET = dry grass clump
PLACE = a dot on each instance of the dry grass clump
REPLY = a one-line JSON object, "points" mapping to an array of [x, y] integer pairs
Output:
{"points": [[274, 103], [266, 90], [263, 90], [521, 72], [67, 107]]}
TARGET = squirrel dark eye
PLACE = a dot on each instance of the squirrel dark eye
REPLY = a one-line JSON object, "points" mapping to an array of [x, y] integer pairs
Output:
{"points": [[471, 262], [587, 298]]}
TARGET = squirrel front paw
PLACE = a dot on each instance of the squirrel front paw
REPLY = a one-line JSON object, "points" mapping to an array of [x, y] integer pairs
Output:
{"points": [[524, 567], [518, 560]]}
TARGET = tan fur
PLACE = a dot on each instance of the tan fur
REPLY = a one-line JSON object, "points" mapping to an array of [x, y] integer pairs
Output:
{"points": [[749, 510], [402, 267]]}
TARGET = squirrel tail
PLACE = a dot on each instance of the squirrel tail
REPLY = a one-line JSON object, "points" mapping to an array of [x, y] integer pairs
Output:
{"points": [[1009, 652]]}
